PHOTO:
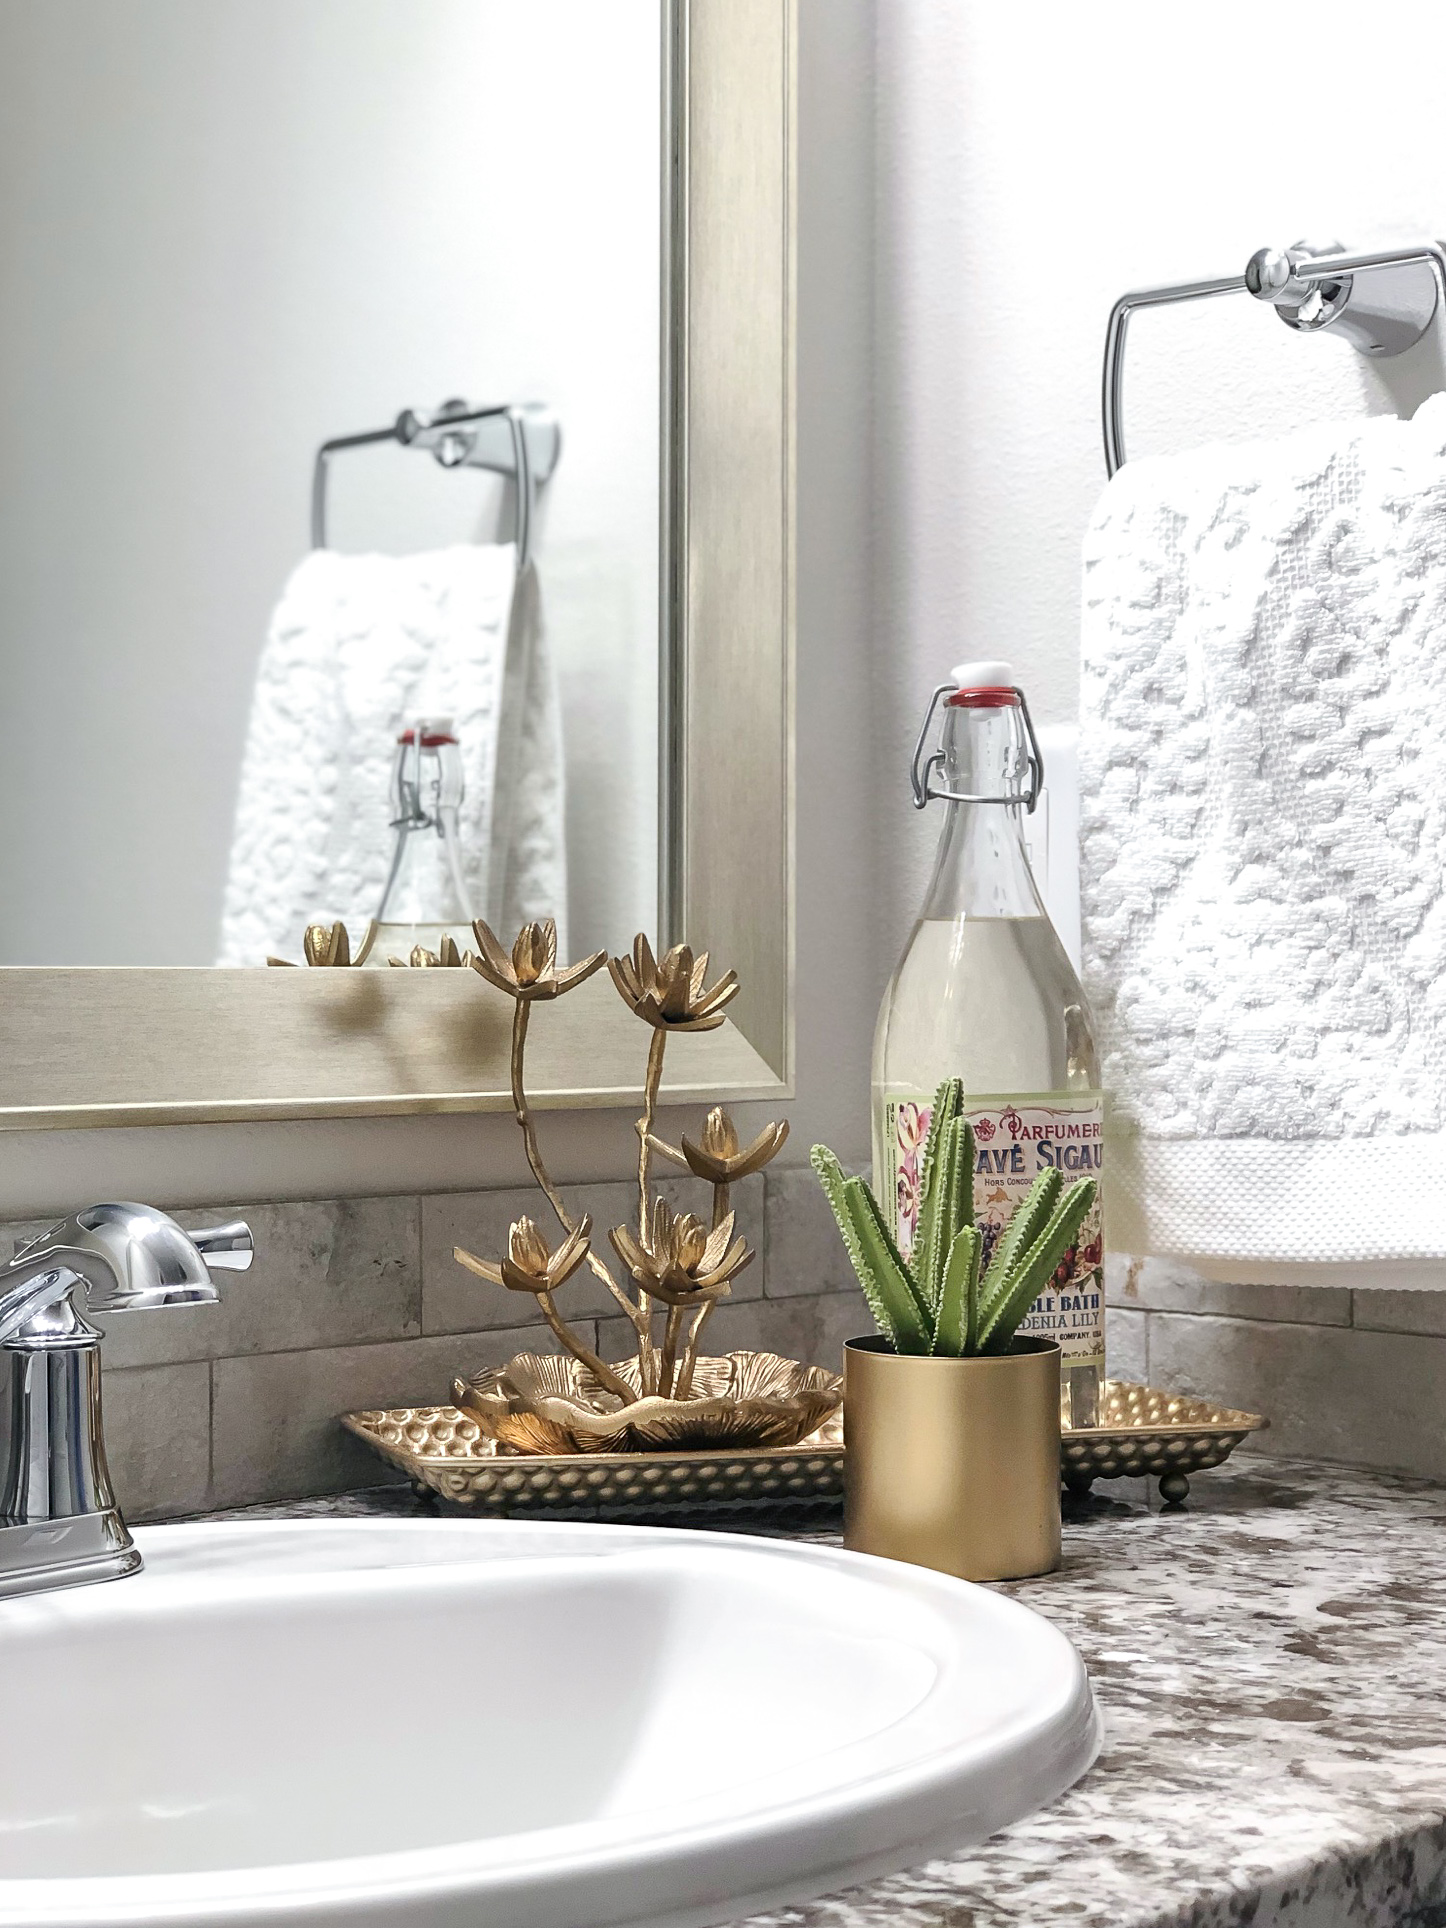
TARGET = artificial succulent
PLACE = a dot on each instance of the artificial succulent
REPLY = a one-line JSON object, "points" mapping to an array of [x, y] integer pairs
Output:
{"points": [[941, 1299]]}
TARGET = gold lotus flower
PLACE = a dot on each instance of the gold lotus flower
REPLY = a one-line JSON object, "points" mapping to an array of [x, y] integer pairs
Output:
{"points": [[329, 944], [530, 1265], [445, 957], [668, 992], [531, 971], [719, 1159], [682, 1263]]}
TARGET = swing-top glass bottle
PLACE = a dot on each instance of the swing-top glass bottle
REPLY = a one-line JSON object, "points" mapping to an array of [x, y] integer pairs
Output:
{"points": [[985, 992]]}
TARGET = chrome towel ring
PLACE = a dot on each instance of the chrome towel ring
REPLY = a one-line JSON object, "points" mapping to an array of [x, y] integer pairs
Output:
{"points": [[524, 442], [1382, 302]]}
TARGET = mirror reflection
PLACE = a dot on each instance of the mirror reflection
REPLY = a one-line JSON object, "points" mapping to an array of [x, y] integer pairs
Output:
{"points": [[329, 455]]}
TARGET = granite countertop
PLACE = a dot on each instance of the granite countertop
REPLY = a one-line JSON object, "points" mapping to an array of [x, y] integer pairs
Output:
{"points": [[1270, 1661]]}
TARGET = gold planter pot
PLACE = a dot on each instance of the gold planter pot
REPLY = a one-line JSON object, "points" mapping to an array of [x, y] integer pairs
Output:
{"points": [[954, 1463]]}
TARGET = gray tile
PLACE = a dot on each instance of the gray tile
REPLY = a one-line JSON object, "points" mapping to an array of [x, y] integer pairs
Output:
{"points": [[1399, 1311], [276, 1430], [616, 1341], [158, 1438], [810, 1329], [1126, 1355], [16, 1232], [1364, 1398], [453, 1300], [1168, 1285], [335, 1272], [804, 1252]]}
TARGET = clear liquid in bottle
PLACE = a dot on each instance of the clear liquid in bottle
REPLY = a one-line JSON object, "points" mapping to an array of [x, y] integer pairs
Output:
{"points": [[985, 992]]}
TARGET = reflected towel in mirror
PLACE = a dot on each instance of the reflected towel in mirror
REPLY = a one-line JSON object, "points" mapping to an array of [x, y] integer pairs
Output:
{"points": [[358, 647]]}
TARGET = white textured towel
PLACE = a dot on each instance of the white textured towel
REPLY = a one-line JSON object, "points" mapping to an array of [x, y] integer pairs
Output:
{"points": [[1263, 830], [358, 646]]}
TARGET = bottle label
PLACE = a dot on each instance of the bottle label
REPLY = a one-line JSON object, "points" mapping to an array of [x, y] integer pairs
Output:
{"points": [[1016, 1137]]}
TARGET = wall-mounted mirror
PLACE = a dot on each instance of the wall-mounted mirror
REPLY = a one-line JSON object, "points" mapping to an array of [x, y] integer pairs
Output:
{"points": [[394, 457], [231, 235]]}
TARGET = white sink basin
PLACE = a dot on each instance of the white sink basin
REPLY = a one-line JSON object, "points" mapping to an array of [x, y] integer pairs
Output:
{"points": [[522, 1726]]}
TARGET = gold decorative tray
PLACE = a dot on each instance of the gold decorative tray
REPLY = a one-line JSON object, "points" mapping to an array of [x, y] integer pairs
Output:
{"points": [[443, 1451], [1144, 1430]]}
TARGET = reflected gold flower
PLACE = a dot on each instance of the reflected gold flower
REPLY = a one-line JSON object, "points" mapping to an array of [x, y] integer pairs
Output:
{"points": [[445, 957], [531, 1265], [682, 1263], [329, 944], [719, 1159], [531, 971], [668, 992]]}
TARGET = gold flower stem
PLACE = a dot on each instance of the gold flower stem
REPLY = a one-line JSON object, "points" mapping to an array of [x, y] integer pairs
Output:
{"points": [[670, 1350], [690, 1351], [665, 1150], [603, 1374], [720, 1203], [521, 1010], [651, 1082], [645, 1126]]}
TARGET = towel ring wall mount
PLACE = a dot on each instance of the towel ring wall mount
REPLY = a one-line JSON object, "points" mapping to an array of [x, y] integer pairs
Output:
{"points": [[1382, 302], [521, 441]]}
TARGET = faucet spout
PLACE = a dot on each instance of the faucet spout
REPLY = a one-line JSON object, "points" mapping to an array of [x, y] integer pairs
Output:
{"points": [[59, 1523], [131, 1258]]}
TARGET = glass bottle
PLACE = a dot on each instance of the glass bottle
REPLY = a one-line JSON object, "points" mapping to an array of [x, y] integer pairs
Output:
{"points": [[425, 897], [985, 992]]}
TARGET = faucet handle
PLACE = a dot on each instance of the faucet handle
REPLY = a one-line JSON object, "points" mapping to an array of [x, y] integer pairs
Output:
{"points": [[225, 1248]]}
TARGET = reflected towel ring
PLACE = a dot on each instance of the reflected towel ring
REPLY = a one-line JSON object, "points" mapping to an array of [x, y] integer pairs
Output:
{"points": [[1381, 302], [523, 442]]}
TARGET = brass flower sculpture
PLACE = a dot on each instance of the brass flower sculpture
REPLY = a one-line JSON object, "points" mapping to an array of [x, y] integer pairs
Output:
{"points": [[540, 1403], [678, 1265], [531, 971], [668, 992], [530, 1266], [446, 956], [329, 944], [719, 1159]]}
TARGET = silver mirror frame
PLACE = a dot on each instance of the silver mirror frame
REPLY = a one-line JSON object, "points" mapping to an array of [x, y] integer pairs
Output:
{"points": [[175, 1045]]}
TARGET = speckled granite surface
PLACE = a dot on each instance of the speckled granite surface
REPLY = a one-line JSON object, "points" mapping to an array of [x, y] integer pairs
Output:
{"points": [[1271, 1663]]}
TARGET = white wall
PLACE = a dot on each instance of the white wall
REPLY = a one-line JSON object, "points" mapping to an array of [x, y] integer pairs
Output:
{"points": [[227, 232], [1034, 162]]}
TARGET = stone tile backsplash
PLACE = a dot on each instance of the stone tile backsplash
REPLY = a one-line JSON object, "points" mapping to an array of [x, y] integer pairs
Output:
{"points": [[1357, 1376], [358, 1302]]}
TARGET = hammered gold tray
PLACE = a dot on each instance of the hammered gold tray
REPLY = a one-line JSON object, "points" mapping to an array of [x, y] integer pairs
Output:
{"points": [[443, 1451], [1144, 1430]]}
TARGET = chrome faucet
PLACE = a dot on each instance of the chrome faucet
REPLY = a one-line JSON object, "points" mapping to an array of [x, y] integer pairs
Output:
{"points": [[59, 1522]]}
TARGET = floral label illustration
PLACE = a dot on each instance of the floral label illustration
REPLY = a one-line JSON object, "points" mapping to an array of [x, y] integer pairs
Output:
{"points": [[1016, 1137]]}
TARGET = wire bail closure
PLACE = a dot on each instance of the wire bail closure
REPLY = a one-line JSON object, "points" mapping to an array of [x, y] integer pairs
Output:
{"points": [[922, 771]]}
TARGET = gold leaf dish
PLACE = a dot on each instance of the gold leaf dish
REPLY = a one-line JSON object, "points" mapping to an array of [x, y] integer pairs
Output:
{"points": [[550, 1403]]}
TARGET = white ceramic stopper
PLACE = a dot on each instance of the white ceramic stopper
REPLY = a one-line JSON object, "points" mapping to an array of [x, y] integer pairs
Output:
{"points": [[983, 676]]}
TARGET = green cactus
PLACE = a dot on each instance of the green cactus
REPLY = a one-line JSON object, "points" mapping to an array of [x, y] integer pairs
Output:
{"points": [[940, 1304]]}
